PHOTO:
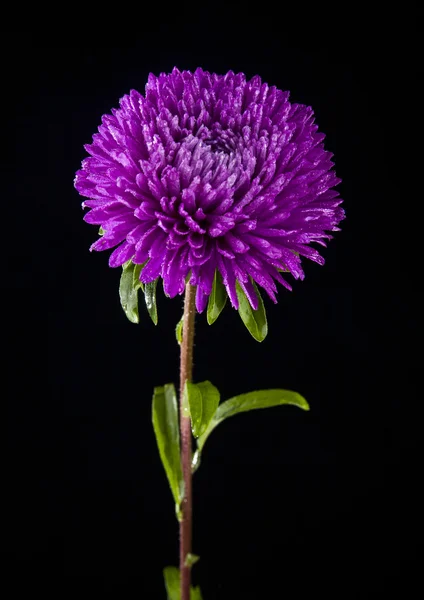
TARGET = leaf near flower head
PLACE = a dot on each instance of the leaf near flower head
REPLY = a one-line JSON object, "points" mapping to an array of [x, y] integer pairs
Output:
{"points": [[127, 293], [150, 298], [136, 277], [254, 320], [217, 299]]}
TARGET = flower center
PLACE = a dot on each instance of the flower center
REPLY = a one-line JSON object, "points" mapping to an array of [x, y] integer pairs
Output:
{"points": [[221, 141]]}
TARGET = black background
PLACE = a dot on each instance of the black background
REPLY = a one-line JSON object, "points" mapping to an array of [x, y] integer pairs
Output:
{"points": [[287, 503]]}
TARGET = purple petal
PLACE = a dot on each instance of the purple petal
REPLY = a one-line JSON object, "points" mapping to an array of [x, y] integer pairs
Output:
{"points": [[175, 272], [250, 292], [121, 255], [105, 243], [152, 270], [229, 279], [201, 300]]}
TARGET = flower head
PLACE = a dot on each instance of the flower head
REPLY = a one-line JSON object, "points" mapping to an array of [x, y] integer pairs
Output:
{"points": [[210, 172]]}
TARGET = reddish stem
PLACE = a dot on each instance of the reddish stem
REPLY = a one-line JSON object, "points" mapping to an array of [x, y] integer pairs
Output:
{"points": [[186, 371]]}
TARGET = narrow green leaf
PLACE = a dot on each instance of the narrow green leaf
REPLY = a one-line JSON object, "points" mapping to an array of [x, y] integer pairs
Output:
{"points": [[179, 331], [150, 297], [203, 400], [127, 294], [196, 594], [255, 320], [172, 579], [217, 299], [196, 460], [137, 284], [251, 401], [191, 559], [179, 512], [165, 425], [171, 576]]}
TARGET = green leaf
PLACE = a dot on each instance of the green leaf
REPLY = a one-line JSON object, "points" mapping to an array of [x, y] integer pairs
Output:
{"points": [[203, 400], [172, 579], [179, 331], [196, 594], [191, 559], [196, 460], [171, 576], [137, 284], [251, 401], [217, 299], [255, 320], [127, 294], [165, 425], [150, 297]]}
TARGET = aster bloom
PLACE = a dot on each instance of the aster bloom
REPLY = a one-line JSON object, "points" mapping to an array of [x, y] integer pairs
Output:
{"points": [[209, 173]]}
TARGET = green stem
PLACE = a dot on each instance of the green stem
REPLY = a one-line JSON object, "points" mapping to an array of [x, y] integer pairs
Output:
{"points": [[186, 371]]}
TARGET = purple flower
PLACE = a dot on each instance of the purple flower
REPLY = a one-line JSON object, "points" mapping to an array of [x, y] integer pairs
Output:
{"points": [[210, 172]]}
